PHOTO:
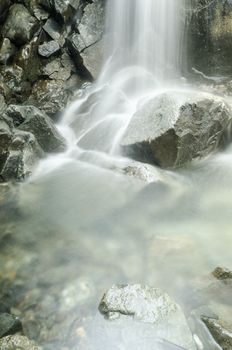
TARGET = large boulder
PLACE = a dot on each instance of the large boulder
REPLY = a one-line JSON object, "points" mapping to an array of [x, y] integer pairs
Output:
{"points": [[20, 26], [172, 129], [148, 305], [5, 140], [38, 123]]}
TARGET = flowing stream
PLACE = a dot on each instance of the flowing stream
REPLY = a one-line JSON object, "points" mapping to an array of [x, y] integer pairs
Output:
{"points": [[83, 217]]}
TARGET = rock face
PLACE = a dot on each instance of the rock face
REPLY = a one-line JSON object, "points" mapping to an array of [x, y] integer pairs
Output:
{"points": [[210, 35], [171, 130], [149, 305]]}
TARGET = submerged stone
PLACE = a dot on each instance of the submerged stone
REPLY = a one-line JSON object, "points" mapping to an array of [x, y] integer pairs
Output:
{"points": [[173, 129]]}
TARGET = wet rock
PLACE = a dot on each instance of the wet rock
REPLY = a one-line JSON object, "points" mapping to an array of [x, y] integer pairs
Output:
{"points": [[9, 324], [93, 58], [13, 86], [148, 305], [19, 342], [43, 128], [48, 49], [20, 26], [27, 58], [7, 51], [23, 155], [221, 332], [50, 96], [172, 129], [17, 113], [222, 273]]}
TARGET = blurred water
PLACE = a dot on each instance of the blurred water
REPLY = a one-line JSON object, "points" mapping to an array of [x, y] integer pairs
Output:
{"points": [[85, 216]]}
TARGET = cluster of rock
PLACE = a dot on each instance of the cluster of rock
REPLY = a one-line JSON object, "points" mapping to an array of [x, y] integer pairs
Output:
{"points": [[48, 49]]}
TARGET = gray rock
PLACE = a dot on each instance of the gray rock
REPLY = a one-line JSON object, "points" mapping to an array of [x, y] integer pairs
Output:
{"points": [[24, 153], [221, 331], [148, 305], [87, 45], [20, 26], [43, 128], [19, 342], [9, 324], [17, 113], [56, 70], [7, 51], [48, 49], [53, 29], [172, 129], [91, 26]]}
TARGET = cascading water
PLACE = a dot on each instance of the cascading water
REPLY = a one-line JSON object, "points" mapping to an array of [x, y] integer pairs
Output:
{"points": [[143, 47], [99, 227]]}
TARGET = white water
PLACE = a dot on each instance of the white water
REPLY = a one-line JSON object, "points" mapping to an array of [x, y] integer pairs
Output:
{"points": [[144, 52], [115, 229]]}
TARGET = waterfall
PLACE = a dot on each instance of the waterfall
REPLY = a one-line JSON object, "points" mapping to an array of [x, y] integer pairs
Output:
{"points": [[147, 34], [143, 53]]}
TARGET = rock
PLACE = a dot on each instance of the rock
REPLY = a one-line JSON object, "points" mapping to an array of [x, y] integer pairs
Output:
{"points": [[20, 26], [221, 332], [17, 342], [210, 35], [17, 113], [91, 26], [5, 140], [23, 155], [222, 274], [148, 305], [172, 129], [55, 70], [4, 6], [9, 324], [7, 51], [87, 45], [50, 96], [48, 49], [2, 104], [53, 29], [43, 128], [27, 58]]}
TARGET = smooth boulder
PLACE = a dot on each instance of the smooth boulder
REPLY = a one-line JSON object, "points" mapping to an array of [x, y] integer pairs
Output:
{"points": [[148, 305], [174, 128]]}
